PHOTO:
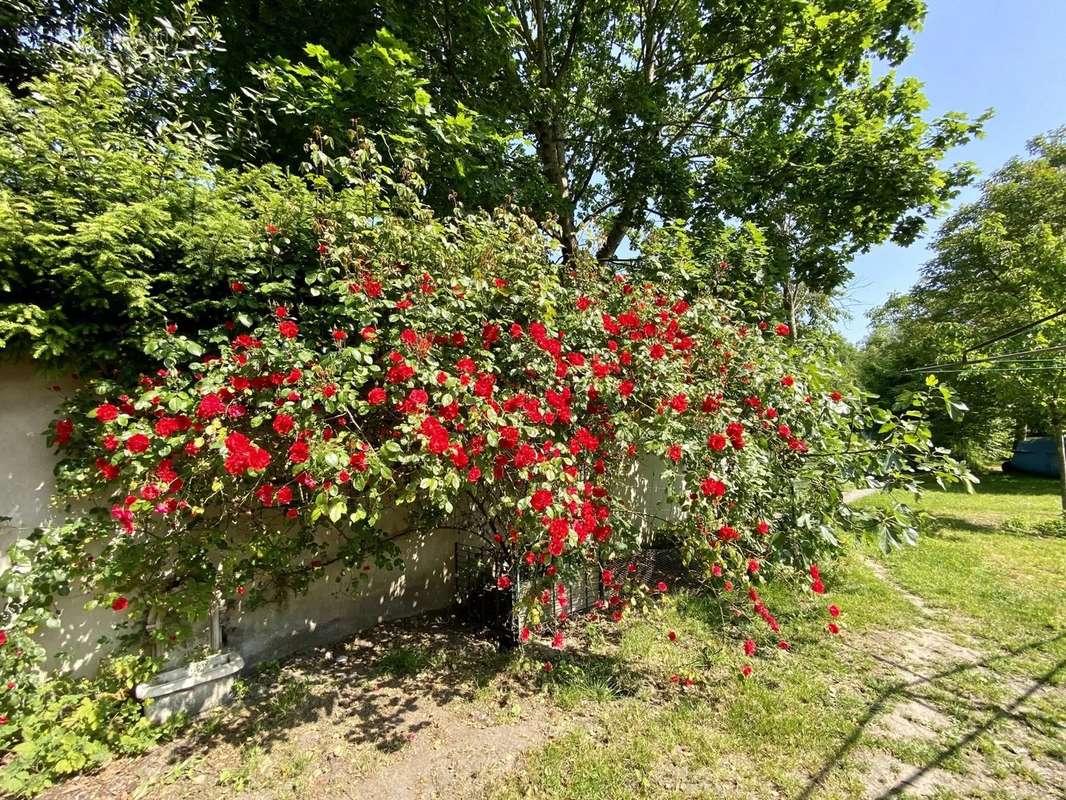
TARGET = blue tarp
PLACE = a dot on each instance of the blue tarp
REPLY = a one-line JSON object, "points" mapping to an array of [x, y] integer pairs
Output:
{"points": [[1036, 456]]}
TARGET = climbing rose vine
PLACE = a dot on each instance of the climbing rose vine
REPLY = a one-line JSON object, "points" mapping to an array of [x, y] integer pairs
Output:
{"points": [[437, 374]]}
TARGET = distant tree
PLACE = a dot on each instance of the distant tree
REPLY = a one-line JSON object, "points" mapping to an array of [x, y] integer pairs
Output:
{"points": [[1000, 264]]}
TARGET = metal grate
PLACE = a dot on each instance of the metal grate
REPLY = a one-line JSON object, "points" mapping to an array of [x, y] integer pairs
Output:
{"points": [[481, 603], [478, 600]]}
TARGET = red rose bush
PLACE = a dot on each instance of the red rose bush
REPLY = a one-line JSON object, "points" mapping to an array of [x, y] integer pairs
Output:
{"points": [[451, 370]]}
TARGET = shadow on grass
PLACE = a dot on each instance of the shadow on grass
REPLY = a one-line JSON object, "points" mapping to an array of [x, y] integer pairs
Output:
{"points": [[950, 525], [905, 690], [1011, 483]]}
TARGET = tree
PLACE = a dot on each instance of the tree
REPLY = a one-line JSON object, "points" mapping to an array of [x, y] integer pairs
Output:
{"points": [[999, 265], [634, 114], [640, 111], [861, 170]]}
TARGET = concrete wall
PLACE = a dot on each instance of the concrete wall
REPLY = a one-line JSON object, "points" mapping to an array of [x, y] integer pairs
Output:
{"points": [[328, 612], [333, 610], [27, 403]]}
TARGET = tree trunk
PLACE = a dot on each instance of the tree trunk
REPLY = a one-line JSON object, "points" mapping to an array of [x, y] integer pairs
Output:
{"points": [[619, 228], [790, 293], [552, 159]]}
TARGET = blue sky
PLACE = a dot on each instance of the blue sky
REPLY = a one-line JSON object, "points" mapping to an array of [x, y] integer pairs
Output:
{"points": [[1009, 55]]}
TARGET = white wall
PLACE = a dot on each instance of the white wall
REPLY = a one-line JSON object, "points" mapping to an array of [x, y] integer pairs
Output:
{"points": [[328, 612], [27, 406], [333, 610]]}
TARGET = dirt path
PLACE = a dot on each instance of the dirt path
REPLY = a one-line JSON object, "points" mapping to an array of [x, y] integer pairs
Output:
{"points": [[397, 715], [925, 723]]}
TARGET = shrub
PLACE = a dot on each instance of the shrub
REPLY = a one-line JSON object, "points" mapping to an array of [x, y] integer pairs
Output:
{"points": [[67, 726], [446, 365]]}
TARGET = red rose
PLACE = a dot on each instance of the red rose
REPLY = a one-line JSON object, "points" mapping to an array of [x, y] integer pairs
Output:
{"points": [[834, 611], [299, 453], [833, 627], [746, 671], [749, 647], [3, 638], [782, 329], [542, 498], [625, 388], [138, 443], [376, 396], [119, 604], [503, 582], [288, 329], [674, 453], [716, 441], [399, 373], [64, 429], [211, 406], [106, 413], [282, 424], [712, 488]]}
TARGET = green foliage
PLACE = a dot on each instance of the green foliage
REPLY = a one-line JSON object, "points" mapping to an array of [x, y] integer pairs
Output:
{"points": [[71, 725], [860, 169], [755, 110], [109, 231], [999, 263], [379, 89]]}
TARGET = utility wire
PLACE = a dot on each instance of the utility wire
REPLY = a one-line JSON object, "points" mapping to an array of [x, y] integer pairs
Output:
{"points": [[1020, 355], [1014, 331], [1046, 368]]}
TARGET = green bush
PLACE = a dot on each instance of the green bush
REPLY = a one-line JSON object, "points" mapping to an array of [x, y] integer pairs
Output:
{"points": [[73, 725]]}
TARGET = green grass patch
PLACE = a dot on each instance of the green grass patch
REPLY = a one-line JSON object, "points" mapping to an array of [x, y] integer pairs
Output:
{"points": [[803, 724]]}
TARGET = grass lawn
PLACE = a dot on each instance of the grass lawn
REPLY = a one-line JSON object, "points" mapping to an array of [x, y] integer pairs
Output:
{"points": [[811, 722], [947, 681]]}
